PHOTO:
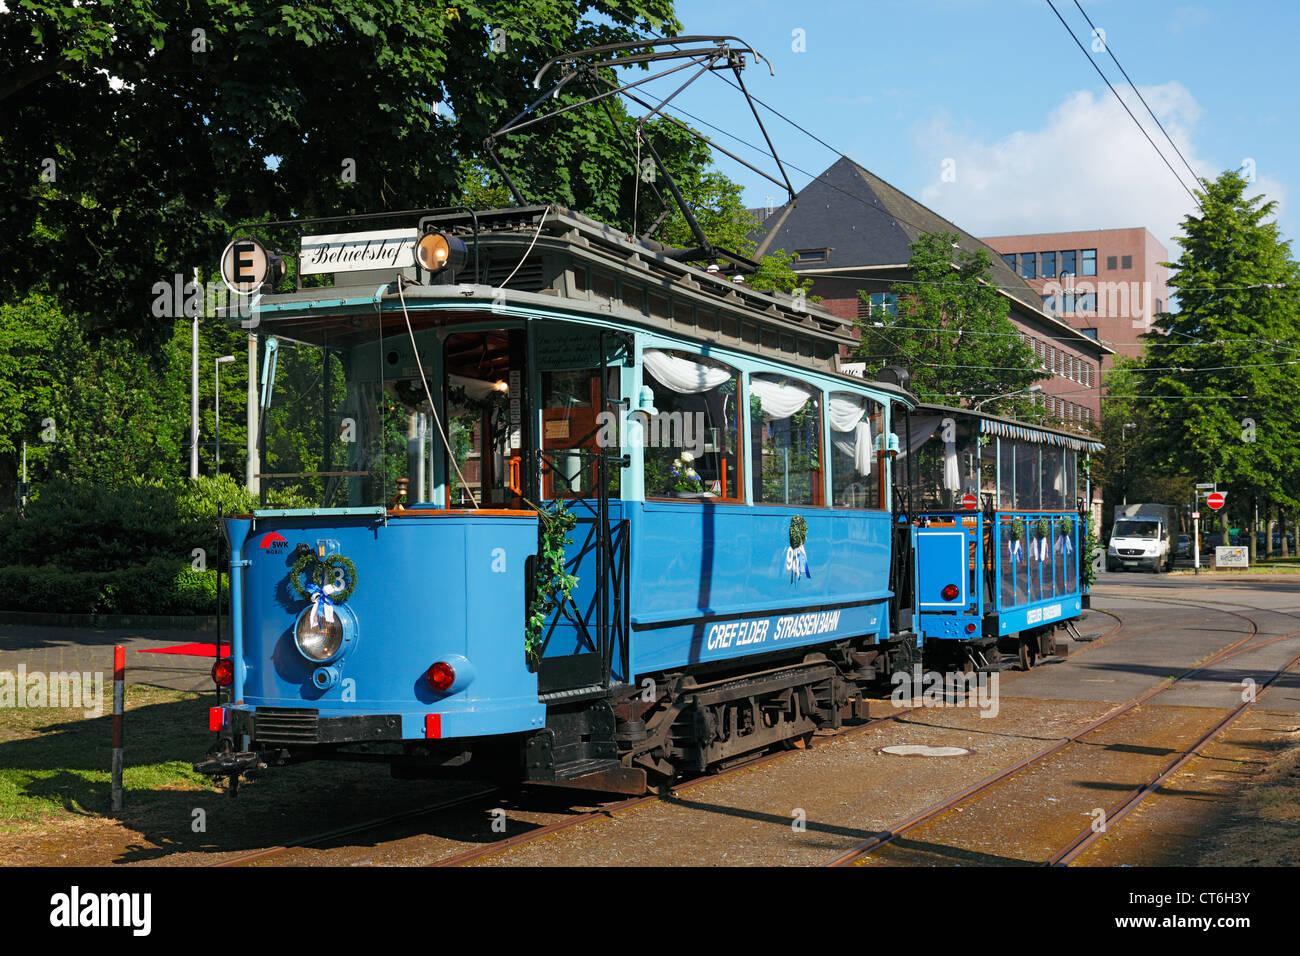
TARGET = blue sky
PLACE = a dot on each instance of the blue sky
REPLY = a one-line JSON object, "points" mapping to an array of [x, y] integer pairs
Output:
{"points": [[996, 89]]}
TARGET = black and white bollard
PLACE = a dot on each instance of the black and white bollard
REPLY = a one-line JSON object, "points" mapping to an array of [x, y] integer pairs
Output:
{"points": [[119, 701]]}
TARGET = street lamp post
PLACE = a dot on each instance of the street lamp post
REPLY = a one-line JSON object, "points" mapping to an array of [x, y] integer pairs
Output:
{"points": [[216, 369], [1124, 457], [1019, 391]]}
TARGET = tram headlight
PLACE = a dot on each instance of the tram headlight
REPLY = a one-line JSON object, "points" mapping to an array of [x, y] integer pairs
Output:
{"points": [[950, 592], [436, 251], [320, 640]]}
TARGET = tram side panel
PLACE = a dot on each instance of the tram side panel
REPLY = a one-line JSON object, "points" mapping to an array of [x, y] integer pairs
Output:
{"points": [[719, 582]]}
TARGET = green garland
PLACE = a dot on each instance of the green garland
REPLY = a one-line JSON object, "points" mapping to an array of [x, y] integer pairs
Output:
{"points": [[1018, 529], [552, 582], [1042, 529], [1067, 526], [307, 561], [798, 531]]}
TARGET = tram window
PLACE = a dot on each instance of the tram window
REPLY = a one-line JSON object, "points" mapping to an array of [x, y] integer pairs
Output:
{"points": [[480, 369], [1028, 497], [988, 471], [573, 432], [692, 442], [854, 422], [1053, 470], [1071, 477], [1007, 474], [785, 431]]}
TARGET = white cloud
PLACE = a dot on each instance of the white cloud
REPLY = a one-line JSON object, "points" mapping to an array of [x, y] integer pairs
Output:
{"points": [[1088, 167]]}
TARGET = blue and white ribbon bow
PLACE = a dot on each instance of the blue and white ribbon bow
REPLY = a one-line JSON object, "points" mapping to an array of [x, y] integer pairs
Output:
{"points": [[796, 562], [321, 602], [1064, 545], [1015, 552]]}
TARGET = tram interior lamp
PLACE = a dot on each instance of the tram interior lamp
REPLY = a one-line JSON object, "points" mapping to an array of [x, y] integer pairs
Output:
{"points": [[438, 253]]}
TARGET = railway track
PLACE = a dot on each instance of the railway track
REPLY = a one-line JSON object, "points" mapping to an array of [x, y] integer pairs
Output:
{"points": [[1130, 800], [283, 853]]}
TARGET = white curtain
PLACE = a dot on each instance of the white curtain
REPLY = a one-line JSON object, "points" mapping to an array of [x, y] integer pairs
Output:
{"points": [[682, 375], [847, 413], [779, 401], [951, 473], [922, 429]]}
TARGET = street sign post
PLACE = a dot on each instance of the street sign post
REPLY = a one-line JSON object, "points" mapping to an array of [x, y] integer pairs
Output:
{"points": [[1215, 500], [969, 502]]}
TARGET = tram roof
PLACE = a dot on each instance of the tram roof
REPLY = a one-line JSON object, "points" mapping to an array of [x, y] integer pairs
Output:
{"points": [[556, 259], [1010, 428]]}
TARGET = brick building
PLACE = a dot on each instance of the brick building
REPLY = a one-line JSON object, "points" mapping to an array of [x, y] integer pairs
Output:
{"points": [[850, 231], [1107, 283]]}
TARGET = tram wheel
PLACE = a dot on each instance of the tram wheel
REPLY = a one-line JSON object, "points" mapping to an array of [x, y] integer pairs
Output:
{"points": [[1028, 652]]}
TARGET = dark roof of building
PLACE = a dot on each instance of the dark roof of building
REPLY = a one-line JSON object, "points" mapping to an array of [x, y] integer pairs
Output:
{"points": [[864, 221]]}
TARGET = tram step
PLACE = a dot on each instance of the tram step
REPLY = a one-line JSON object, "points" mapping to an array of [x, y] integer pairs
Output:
{"points": [[607, 775]]}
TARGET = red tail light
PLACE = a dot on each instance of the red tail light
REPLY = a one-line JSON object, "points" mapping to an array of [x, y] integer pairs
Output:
{"points": [[223, 672], [441, 676], [950, 592], [216, 718], [970, 628]]}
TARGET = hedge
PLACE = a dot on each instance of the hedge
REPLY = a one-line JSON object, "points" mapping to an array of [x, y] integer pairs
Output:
{"points": [[87, 549], [159, 586]]}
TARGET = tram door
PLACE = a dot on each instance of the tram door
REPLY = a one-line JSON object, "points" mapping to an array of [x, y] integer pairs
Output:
{"points": [[578, 392]]}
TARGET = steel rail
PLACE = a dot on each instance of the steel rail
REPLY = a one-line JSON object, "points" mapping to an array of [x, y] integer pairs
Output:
{"points": [[888, 836]]}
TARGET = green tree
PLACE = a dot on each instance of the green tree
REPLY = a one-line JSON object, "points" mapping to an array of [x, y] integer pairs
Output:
{"points": [[1228, 355], [776, 272], [36, 343], [951, 331], [133, 137]]}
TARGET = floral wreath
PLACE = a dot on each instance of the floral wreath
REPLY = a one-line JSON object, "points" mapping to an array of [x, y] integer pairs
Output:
{"points": [[1042, 529], [316, 567], [1018, 530], [1067, 526]]}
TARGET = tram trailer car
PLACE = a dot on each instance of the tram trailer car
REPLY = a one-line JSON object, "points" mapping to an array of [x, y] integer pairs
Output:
{"points": [[1001, 514], [741, 574]]}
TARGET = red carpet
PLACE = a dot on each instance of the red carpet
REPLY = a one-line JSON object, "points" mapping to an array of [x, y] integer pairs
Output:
{"points": [[193, 650]]}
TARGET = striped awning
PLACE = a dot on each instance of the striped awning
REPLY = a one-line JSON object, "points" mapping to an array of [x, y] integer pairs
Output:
{"points": [[1037, 436]]}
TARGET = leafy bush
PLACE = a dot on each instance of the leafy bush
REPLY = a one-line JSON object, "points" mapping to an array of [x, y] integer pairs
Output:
{"points": [[84, 548]]}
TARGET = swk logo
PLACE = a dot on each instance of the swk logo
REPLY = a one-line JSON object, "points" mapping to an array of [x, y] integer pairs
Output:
{"points": [[274, 543]]}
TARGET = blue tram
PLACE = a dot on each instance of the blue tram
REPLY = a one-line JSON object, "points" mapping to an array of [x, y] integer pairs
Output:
{"points": [[543, 501], [1002, 524]]}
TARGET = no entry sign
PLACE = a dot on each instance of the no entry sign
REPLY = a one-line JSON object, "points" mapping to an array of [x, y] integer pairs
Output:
{"points": [[968, 502], [1215, 500]]}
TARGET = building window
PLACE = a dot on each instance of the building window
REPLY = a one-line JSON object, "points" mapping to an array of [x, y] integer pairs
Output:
{"points": [[882, 303], [1052, 303], [1089, 262], [1010, 259], [1086, 302], [1049, 265], [1112, 263], [812, 255], [1126, 262], [1067, 263], [1029, 265], [1160, 305], [1091, 333]]}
